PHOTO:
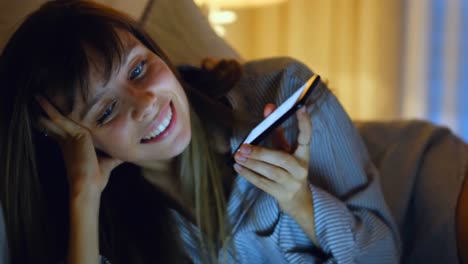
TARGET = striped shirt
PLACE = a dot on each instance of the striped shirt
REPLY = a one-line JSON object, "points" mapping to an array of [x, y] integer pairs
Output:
{"points": [[352, 221]]}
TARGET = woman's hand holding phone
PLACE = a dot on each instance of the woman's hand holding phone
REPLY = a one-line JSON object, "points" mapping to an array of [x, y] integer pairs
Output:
{"points": [[283, 172], [88, 173]]}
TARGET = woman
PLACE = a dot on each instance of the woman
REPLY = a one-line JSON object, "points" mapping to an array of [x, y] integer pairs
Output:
{"points": [[106, 151]]}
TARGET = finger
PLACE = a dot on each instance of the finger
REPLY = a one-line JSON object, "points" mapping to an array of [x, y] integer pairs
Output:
{"points": [[51, 128], [56, 117], [304, 137], [275, 157], [268, 109], [279, 138], [50, 110], [257, 180], [272, 172]]}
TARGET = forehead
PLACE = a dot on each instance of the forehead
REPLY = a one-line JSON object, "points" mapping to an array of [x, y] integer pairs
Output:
{"points": [[103, 69]]}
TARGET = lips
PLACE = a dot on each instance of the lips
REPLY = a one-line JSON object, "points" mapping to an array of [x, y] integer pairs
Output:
{"points": [[162, 125]]}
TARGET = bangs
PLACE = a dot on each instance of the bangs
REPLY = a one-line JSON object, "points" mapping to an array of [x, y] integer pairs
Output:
{"points": [[101, 53], [92, 49], [73, 47]]}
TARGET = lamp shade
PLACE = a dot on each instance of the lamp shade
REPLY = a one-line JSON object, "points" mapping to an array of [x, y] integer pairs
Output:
{"points": [[237, 3]]}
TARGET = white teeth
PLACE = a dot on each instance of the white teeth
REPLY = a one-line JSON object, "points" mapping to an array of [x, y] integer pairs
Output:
{"points": [[161, 126]]}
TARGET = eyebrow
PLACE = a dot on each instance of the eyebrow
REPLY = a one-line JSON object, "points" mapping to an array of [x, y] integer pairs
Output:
{"points": [[89, 105]]}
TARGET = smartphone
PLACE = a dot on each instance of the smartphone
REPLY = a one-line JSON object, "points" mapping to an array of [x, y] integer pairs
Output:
{"points": [[283, 112]]}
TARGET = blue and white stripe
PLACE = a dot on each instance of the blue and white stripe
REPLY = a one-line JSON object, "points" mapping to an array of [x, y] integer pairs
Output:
{"points": [[353, 223]]}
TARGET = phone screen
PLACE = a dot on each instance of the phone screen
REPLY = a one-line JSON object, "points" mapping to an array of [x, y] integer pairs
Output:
{"points": [[285, 110]]}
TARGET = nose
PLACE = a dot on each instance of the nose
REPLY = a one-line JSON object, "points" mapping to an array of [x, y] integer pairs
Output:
{"points": [[144, 105]]}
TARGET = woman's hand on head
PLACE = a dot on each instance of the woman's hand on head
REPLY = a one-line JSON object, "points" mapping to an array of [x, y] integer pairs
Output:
{"points": [[88, 173], [281, 172]]}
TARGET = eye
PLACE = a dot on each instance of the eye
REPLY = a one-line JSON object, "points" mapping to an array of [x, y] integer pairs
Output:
{"points": [[137, 71], [107, 113]]}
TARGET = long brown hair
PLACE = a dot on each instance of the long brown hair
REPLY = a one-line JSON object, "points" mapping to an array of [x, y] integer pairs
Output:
{"points": [[48, 55]]}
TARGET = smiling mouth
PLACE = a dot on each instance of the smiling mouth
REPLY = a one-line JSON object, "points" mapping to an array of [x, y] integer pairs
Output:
{"points": [[162, 128]]}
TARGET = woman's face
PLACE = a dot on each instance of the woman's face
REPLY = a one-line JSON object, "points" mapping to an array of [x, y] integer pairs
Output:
{"points": [[141, 114]]}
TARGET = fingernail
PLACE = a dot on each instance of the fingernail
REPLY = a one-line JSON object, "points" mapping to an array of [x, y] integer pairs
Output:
{"points": [[237, 167], [240, 158], [245, 149]]}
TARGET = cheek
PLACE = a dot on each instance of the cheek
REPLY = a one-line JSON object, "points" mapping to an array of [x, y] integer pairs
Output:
{"points": [[159, 74], [114, 139]]}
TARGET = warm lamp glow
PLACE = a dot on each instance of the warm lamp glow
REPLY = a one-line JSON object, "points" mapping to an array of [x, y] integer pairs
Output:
{"points": [[218, 16], [237, 3], [222, 17]]}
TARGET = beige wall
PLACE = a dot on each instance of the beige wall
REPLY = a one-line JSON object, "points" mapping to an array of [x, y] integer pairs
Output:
{"points": [[11, 14], [353, 43]]}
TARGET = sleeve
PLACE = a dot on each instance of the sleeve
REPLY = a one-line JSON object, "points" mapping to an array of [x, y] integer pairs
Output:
{"points": [[352, 220]]}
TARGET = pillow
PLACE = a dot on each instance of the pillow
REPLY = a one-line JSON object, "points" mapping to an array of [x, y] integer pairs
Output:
{"points": [[12, 13], [180, 28], [11, 16]]}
